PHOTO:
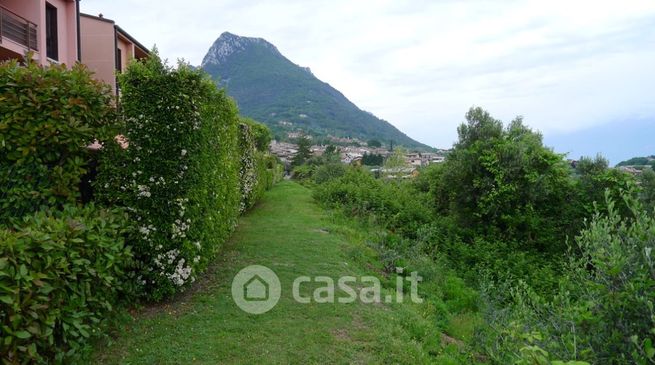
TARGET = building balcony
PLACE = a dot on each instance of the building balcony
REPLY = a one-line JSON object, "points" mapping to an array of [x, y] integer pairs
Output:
{"points": [[17, 30]]}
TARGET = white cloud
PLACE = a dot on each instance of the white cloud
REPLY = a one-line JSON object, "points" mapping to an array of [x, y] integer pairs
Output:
{"points": [[564, 65]]}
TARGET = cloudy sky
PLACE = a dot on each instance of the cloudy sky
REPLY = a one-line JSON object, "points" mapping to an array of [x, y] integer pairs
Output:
{"points": [[581, 72]]}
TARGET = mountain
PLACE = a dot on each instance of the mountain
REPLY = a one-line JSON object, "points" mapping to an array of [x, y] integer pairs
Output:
{"points": [[271, 89]]}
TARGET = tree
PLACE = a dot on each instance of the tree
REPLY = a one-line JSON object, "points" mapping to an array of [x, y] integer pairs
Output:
{"points": [[502, 182], [374, 143], [594, 179], [332, 154], [372, 159], [647, 180], [304, 152], [397, 160]]}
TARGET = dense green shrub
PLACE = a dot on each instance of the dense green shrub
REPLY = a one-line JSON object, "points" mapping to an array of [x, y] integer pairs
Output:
{"points": [[178, 178], [248, 176], [261, 134], [395, 204], [593, 179], [647, 185], [258, 170], [504, 184], [303, 172], [48, 115], [328, 172], [269, 171], [61, 272], [603, 312]]}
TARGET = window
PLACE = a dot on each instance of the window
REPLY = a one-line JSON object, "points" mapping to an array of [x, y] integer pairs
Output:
{"points": [[51, 42], [119, 60]]}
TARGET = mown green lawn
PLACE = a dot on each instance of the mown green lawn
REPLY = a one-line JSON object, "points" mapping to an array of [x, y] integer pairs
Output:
{"points": [[290, 234]]}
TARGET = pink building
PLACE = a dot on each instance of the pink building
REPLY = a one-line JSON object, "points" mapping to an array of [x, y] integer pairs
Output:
{"points": [[107, 48], [49, 28]]}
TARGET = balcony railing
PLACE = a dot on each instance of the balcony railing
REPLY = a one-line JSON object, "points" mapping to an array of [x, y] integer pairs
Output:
{"points": [[17, 29]]}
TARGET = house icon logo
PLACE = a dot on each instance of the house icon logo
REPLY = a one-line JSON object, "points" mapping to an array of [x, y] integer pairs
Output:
{"points": [[256, 289]]}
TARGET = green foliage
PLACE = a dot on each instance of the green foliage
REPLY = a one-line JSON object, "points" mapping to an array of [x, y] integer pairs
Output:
{"points": [[179, 177], [397, 206], [638, 161], [374, 143], [304, 151], [500, 210], [303, 172], [61, 272], [504, 184], [47, 118], [271, 89], [397, 159], [594, 179], [603, 312], [372, 159], [332, 154], [247, 170], [258, 170], [261, 134], [647, 184], [328, 172]]}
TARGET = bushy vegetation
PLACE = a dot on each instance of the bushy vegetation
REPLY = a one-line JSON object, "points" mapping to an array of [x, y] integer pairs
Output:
{"points": [[47, 117], [178, 178], [259, 169], [166, 195], [603, 310], [392, 204], [503, 211], [61, 273], [62, 267]]}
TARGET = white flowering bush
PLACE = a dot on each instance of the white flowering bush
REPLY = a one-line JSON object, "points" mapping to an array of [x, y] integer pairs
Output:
{"points": [[247, 170], [179, 175], [259, 170]]}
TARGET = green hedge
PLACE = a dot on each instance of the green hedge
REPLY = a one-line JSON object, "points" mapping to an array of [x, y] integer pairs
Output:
{"points": [[47, 118], [61, 272], [259, 170], [179, 176], [248, 175]]}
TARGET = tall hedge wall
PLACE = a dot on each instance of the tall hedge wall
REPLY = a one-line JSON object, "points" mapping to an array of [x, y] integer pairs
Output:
{"points": [[62, 266], [47, 118], [178, 177], [259, 170], [169, 188]]}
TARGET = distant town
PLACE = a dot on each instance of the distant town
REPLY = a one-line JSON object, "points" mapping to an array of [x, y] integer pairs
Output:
{"points": [[353, 151]]}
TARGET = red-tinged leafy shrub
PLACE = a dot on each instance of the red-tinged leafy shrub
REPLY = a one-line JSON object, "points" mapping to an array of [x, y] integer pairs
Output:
{"points": [[47, 118], [61, 273]]}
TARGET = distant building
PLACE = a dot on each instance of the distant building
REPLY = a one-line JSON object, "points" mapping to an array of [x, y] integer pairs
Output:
{"points": [[107, 48], [631, 170]]}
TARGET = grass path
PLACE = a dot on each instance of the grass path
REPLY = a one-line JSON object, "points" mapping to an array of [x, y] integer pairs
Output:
{"points": [[291, 235]]}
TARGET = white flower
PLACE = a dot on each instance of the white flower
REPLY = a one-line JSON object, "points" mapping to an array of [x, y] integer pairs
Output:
{"points": [[183, 152], [144, 191]]}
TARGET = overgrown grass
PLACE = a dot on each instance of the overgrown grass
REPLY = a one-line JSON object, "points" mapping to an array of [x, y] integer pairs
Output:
{"points": [[288, 233]]}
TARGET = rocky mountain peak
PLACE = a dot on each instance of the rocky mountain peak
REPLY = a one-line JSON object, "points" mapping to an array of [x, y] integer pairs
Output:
{"points": [[228, 44]]}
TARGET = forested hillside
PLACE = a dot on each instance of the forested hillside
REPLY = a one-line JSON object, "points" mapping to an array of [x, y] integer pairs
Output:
{"points": [[271, 89]]}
